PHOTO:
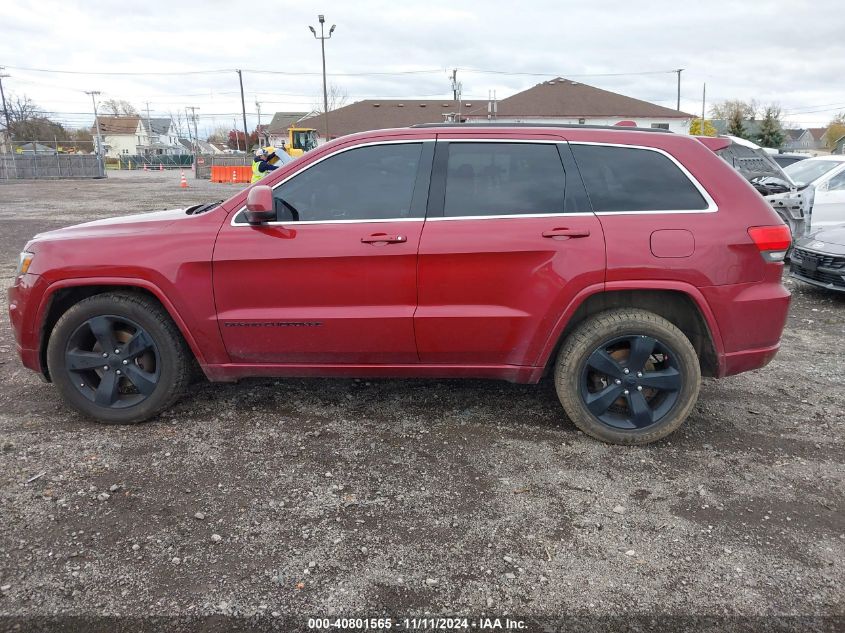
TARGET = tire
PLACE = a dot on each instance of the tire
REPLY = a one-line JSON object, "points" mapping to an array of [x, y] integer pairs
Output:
{"points": [[145, 349], [599, 364]]}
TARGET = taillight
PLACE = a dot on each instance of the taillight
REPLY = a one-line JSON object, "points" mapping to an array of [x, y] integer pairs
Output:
{"points": [[771, 241]]}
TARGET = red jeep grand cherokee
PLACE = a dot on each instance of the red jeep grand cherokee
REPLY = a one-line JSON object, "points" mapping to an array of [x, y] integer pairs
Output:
{"points": [[628, 262]]}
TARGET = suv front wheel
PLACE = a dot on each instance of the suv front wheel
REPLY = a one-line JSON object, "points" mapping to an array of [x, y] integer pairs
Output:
{"points": [[118, 358], [627, 377]]}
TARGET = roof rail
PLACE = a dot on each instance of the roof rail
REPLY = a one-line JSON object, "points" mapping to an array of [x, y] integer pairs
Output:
{"points": [[574, 126]]}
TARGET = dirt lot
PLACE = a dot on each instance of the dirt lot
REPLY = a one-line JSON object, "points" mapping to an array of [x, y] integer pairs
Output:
{"points": [[406, 497]]}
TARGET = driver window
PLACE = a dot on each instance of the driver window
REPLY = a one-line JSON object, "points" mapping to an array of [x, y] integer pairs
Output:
{"points": [[367, 183]]}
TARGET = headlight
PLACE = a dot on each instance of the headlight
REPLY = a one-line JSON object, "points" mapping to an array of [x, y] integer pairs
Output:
{"points": [[24, 263]]}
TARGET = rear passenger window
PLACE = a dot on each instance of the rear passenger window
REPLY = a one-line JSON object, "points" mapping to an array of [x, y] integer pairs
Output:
{"points": [[503, 179], [630, 179]]}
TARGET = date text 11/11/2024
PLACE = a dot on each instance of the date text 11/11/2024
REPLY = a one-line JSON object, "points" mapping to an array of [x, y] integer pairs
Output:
{"points": [[417, 624]]}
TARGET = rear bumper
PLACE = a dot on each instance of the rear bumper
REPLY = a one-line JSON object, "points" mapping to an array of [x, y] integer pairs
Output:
{"points": [[751, 320], [746, 360]]}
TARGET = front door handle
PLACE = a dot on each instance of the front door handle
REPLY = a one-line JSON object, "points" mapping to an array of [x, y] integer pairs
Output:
{"points": [[383, 238], [565, 232]]}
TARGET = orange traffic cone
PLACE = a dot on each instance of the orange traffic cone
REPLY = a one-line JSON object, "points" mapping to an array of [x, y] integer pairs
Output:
{"points": [[183, 183]]}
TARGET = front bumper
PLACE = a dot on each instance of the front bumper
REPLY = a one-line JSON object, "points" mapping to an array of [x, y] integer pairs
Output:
{"points": [[820, 283], [23, 315], [825, 270]]}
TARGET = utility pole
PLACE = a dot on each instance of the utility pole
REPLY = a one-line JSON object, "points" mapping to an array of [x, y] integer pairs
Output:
{"points": [[459, 96], [193, 110], [679, 71], [261, 141], [703, 96], [243, 110], [235, 128], [149, 131], [5, 109], [454, 84], [323, 37], [188, 119], [93, 94]]}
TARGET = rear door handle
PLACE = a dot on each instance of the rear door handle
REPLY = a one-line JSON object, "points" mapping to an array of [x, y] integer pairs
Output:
{"points": [[383, 238], [565, 232]]}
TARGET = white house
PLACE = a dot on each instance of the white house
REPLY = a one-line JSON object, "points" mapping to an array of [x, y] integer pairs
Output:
{"points": [[134, 135], [572, 102], [800, 139], [157, 137], [120, 134]]}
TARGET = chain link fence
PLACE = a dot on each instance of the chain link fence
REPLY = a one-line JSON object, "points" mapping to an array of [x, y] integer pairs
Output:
{"points": [[35, 166], [154, 161]]}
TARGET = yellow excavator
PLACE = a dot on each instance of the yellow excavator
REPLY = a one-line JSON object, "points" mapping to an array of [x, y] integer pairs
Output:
{"points": [[300, 140]]}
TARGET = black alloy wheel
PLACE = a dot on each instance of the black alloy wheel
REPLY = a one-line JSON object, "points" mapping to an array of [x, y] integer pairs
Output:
{"points": [[631, 382], [113, 361], [627, 376], [118, 357]]}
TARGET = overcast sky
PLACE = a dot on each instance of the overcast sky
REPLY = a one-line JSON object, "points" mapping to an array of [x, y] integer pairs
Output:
{"points": [[790, 52]]}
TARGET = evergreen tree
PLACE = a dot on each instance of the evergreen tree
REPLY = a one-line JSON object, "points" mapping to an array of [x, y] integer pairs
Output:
{"points": [[771, 134], [735, 125]]}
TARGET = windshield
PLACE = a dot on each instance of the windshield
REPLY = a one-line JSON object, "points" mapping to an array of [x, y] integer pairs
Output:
{"points": [[806, 171]]}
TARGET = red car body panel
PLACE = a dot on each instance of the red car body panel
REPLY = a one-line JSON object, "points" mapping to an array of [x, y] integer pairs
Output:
{"points": [[316, 293], [486, 263], [470, 297]]}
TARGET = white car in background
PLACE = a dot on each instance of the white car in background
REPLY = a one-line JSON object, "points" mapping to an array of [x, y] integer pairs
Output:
{"points": [[827, 175], [791, 201]]}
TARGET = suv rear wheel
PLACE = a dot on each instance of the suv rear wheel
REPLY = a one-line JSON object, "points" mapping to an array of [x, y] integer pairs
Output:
{"points": [[627, 377], [118, 358]]}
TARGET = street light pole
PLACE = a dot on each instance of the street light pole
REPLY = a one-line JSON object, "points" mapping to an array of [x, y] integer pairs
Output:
{"points": [[323, 37]]}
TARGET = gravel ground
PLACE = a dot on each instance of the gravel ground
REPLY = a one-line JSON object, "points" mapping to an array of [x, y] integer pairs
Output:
{"points": [[406, 497]]}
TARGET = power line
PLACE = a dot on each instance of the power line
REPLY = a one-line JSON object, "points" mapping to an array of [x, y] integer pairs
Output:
{"points": [[836, 106], [124, 73], [224, 70], [564, 75], [355, 74], [260, 71]]}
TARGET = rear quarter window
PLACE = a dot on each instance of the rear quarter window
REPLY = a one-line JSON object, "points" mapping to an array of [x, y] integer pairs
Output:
{"points": [[632, 179]]}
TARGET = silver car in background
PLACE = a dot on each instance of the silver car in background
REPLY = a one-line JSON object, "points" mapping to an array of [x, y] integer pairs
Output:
{"points": [[826, 174]]}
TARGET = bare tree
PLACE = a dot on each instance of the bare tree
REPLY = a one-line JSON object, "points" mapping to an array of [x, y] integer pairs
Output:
{"points": [[220, 134], [735, 108], [179, 120], [337, 98], [22, 108], [118, 107]]}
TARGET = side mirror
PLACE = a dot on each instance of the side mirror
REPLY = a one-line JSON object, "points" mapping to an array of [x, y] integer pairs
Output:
{"points": [[259, 205]]}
